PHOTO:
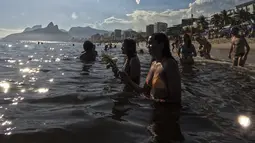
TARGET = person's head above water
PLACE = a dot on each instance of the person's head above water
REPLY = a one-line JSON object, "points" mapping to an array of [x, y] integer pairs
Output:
{"points": [[129, 47], [187, 40], [234, 31], [88, 46], [158, 45]]}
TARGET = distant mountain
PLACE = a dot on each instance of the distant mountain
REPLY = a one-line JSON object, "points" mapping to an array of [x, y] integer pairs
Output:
{"points": [[33, 28], [85, 32], [49, 33]]}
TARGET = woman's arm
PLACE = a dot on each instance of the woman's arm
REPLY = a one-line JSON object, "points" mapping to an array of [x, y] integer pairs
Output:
{"points": [[135, 69], [127, 80], [247, 48]]}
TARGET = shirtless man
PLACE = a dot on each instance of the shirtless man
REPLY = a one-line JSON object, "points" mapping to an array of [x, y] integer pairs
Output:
{"points": [[237, 50], [205, 47]]}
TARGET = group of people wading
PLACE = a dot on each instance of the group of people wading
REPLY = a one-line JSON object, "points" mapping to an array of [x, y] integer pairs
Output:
{"points": [[163, 81]]}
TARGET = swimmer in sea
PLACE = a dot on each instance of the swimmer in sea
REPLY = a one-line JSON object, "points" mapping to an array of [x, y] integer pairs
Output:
{"points": [[163, 82], [205, 47], [237, 50], [106, 47], [187, 51], [132, 65], [89, 53]]}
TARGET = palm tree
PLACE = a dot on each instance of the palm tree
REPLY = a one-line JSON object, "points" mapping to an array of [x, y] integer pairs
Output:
{"points": [[202, 23], [225, 17], [242, 16], [216, 21]]}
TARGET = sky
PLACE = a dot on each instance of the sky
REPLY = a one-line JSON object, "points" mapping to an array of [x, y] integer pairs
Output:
{"points": [[16, 15]]}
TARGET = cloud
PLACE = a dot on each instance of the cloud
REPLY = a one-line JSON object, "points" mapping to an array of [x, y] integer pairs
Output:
{"points": [[74, 15], [138, 19], [5, 32], [138, 1]]}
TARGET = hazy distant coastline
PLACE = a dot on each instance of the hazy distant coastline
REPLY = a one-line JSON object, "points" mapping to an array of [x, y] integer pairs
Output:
{"points": [[52, 33]]}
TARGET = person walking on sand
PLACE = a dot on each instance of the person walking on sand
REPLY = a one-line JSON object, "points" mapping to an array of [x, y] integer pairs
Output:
{"points": [[205, 47], [237, 52]]}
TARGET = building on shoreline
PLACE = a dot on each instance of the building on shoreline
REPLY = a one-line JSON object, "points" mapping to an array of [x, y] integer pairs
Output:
{"points": [[160, 27], [149, 30], [188, 21], [248, 7], [174, 30], [117, 34]]}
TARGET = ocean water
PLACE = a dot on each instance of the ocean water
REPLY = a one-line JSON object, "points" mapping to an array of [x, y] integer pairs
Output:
{"points": [[48, 95]]}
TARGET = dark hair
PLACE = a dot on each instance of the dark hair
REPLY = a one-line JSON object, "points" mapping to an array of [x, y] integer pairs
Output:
{"points": [[187, 40], [88, 46], [162, 38], [131, 47], [235, 31]]}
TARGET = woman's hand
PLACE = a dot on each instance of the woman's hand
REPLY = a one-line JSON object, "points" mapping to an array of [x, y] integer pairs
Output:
{"points": [[124, 77]]}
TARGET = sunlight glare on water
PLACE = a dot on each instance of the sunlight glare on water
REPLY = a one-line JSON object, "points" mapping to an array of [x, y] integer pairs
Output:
{"points": [[42, 90], [23, 90], [5, 86], [244, 121], [138, 1], [30, 70], [51, 80]]}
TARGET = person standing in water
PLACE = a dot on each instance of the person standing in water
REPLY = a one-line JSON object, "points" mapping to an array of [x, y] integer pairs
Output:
{"points": [[177, 43], [132, 63], [205, 47], [89, 53], [187, 51], [163, 85], [238, 44]]}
